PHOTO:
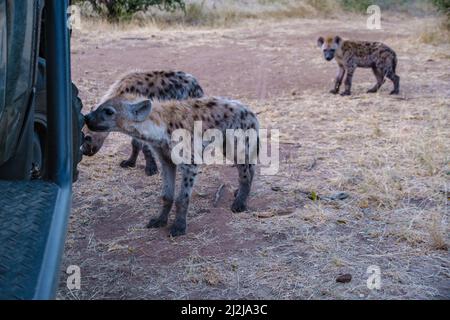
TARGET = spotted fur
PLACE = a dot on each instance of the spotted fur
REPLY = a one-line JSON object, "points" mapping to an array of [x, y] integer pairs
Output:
{"points": [[350, 55], [155, 85], [154, 123]]}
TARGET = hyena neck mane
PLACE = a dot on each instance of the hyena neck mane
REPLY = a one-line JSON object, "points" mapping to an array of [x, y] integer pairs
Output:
{"points": [[342, 48], [164, 119], [125, 96], [116, 91], [153, 130]]}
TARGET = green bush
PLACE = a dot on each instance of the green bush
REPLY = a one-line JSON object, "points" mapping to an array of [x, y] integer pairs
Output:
{"points": [[116, 10], [356, 5], [362, 5], [443, 5]]}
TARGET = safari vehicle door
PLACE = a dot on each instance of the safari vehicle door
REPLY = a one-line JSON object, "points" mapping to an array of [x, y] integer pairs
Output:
{"points": [[34, 211]]}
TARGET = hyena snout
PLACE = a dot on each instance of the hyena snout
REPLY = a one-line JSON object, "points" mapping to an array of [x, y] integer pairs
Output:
{"points": [[89, 120], [329, 54], [99, 121], [88, 148], [93, 141]]}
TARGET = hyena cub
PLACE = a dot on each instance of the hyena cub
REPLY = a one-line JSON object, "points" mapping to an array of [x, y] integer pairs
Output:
{"points": [[154, 123], [350, 55], [154, 85]]}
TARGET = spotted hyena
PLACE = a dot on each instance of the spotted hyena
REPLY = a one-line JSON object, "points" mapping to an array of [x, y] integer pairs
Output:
{"points": [[350, 55], [155, 122], [155, 85]]}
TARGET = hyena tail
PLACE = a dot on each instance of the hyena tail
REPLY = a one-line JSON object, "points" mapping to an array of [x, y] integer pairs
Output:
{"points": [[394, 64], [196, 90], [254, 159], [258, 146]]}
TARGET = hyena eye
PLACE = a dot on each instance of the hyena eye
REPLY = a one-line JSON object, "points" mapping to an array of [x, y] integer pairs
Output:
{"points": [[109, 111]]}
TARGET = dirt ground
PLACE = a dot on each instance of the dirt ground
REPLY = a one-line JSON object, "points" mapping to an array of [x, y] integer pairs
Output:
{"points": [[389, 155]]}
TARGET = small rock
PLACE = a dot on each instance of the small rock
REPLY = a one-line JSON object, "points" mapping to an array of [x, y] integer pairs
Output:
{"points": [[345, 278], [276, 188], [201, 194], [339, 196]]}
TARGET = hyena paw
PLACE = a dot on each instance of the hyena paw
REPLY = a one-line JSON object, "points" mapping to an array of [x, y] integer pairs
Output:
{"points": [[156, 223], [128, 164], [238, 207], [345, 93], [178, 229], [334, 91], [373, 90], [151, 171], [395, 92]]}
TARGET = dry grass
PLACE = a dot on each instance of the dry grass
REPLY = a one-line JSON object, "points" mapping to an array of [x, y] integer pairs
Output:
{"points": [[229, 13], [437, 33], [389, 154], [438, 235]]}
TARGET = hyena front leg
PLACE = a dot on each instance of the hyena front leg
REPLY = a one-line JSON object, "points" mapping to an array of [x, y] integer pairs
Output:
{"points": [[188, 176], [338, 82], [348, 81], [168, 175], [136, 146], [379, 74], [150, 164], [246, 174]]}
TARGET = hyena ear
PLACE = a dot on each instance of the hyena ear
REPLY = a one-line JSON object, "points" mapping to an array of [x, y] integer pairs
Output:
{"points": [[320, 42], [141, 110], [337, 40]]}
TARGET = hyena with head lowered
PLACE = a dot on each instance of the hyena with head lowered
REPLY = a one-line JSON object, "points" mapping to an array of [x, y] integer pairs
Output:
{"points": [[154, 85], [350, 55], [155, 122]]}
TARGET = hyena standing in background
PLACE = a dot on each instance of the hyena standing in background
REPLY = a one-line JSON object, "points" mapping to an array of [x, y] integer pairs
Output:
{"points": [[155, 85], [154, 123], [350, 55]]}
